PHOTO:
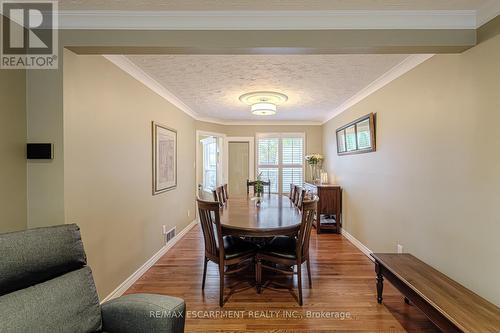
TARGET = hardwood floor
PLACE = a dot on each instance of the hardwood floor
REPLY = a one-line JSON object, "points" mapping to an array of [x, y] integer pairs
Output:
{"points": [[343, 288]]}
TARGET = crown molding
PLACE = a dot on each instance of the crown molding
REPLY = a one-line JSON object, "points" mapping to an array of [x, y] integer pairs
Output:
{"points": [[137, 73], [133, 70], [403, 67], [268, 20], [488, 12], [260, 122]]}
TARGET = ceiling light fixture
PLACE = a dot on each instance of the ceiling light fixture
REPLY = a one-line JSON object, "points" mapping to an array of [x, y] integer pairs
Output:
{"points": [[263, 103]]}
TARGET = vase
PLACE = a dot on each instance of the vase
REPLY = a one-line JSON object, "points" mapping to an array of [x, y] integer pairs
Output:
{"points": [[315, 173]]}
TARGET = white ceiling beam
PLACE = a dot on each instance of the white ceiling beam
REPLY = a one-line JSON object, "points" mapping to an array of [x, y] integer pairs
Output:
{"points": [[268, 20]]}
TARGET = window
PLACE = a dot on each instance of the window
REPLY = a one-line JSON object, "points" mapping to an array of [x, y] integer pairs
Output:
{"points": [[280, 159], [209, 163]]}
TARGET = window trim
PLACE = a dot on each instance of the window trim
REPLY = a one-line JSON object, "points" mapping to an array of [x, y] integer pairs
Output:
{"points": [[205, 143], [280, 165]]}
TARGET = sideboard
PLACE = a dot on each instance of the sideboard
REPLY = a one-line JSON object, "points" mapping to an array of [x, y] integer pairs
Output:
{"points": [[329, 206]]}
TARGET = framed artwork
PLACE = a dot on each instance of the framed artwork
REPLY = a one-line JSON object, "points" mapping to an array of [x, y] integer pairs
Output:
{"points": [[357, 137], [164, 158]]}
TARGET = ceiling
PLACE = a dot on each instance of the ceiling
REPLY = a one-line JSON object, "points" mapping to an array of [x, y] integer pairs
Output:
{"points": [[316, 85], [192, 5]]}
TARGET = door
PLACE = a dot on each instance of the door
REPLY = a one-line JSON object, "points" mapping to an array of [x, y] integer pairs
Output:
{"points": [[238, 164]]}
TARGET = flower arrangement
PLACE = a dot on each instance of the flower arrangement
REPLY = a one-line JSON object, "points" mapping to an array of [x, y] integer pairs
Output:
{"points": [[314, 159], [259, 187], [315, 162]]}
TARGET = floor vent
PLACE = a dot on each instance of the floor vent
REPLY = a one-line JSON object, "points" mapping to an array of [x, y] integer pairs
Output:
{"points": [[170, 235]]}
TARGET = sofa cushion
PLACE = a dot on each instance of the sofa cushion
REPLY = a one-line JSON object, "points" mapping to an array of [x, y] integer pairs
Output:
{"points": [[67, 303], [37, 255]]}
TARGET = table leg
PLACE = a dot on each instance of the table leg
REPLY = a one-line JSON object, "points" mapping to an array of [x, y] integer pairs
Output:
{"points": [[380, 282]]}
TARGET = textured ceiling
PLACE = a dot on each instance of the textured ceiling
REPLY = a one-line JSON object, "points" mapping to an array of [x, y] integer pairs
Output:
{"points": [[270, 4], [315, 84]]}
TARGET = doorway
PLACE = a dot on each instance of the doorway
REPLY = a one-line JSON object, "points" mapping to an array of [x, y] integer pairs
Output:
{"points": [[209, 154], [240, 164]]}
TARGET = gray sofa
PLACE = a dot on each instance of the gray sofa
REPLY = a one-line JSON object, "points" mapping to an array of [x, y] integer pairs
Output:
{"points": [[46, 286]]}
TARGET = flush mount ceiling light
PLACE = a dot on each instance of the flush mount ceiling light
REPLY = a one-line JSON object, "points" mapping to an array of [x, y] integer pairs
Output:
{"points": [[263, 103]]}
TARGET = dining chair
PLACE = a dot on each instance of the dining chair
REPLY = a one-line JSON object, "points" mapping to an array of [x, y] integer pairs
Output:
{"points": [[296, 198], [225, 251], [291, 196], [226, 194], [218, 194], [253, 183], [301, 198], [289, 251]]}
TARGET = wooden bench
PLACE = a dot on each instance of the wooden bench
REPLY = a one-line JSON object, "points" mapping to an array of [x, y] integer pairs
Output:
{"points": [[448, 304]]}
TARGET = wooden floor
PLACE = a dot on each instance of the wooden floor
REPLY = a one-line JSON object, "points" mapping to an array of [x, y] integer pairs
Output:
{"points": [[343, 288]]}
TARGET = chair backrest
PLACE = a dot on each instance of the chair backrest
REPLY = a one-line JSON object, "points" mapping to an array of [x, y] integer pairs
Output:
{"points": [[226, 194], [296, 198], [45, 282], [291, 195], [219, 197], [264, 184], [302, 196], [309, 210], [209, 214]]}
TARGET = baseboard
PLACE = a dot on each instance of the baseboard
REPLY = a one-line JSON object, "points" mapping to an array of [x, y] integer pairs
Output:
{"points": [[122, 288], [358, 244]]}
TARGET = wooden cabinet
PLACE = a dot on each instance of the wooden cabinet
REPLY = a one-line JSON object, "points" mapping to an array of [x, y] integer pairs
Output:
{"points": [[329, 206]]}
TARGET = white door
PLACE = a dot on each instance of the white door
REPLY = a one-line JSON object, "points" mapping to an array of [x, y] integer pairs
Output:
{"points": [[238, 167]]}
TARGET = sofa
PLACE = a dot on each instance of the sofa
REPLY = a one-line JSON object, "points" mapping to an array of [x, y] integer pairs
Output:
{"points": [[46, 286]]}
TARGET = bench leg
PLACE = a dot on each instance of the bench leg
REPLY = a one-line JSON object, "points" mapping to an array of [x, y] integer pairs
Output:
{"points": [[380, 282]]}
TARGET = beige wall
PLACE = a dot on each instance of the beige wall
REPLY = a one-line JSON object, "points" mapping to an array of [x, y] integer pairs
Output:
{"points": [[12, 150], [107, 179], [433, 185], [314, 142], [44, 113]]}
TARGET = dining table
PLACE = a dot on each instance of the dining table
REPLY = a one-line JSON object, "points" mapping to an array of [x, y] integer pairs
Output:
{"points": [[267, 216]]}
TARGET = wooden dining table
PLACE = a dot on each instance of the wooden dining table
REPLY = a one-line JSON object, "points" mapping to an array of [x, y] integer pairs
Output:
{"points": [[275, 215]]}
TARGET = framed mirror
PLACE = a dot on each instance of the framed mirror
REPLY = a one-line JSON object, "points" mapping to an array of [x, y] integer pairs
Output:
{"points": [[357, 137]]}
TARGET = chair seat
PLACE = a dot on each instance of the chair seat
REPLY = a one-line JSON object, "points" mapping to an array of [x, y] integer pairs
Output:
{"points": [[235, 247], [281, 246]]}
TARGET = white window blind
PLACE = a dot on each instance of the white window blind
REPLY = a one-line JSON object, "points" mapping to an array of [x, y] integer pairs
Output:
{"points": [[281, 159]]}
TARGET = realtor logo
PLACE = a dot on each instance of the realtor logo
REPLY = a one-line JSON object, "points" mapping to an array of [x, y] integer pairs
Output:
{"points": [[29, 35]]}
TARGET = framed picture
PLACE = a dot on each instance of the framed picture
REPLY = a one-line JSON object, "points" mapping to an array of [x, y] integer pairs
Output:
{"points": [[357, 137], [164, 158]]}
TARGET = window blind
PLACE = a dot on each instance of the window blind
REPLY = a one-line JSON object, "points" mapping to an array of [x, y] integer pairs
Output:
{"points": [[281, 160]]}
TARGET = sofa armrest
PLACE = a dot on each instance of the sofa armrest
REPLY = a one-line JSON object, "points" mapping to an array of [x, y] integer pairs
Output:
{"points": [[148, 313]]}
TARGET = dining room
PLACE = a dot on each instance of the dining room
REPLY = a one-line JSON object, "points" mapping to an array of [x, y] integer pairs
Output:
{"points": [[272, 170], [267, 217]]}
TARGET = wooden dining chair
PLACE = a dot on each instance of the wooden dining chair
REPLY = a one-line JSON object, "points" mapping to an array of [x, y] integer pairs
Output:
{"points": [[218, 194], [226, 194], [296, 198], [291, 195], [253, 183], [301, 198], [233, 252], [289, 250]]}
